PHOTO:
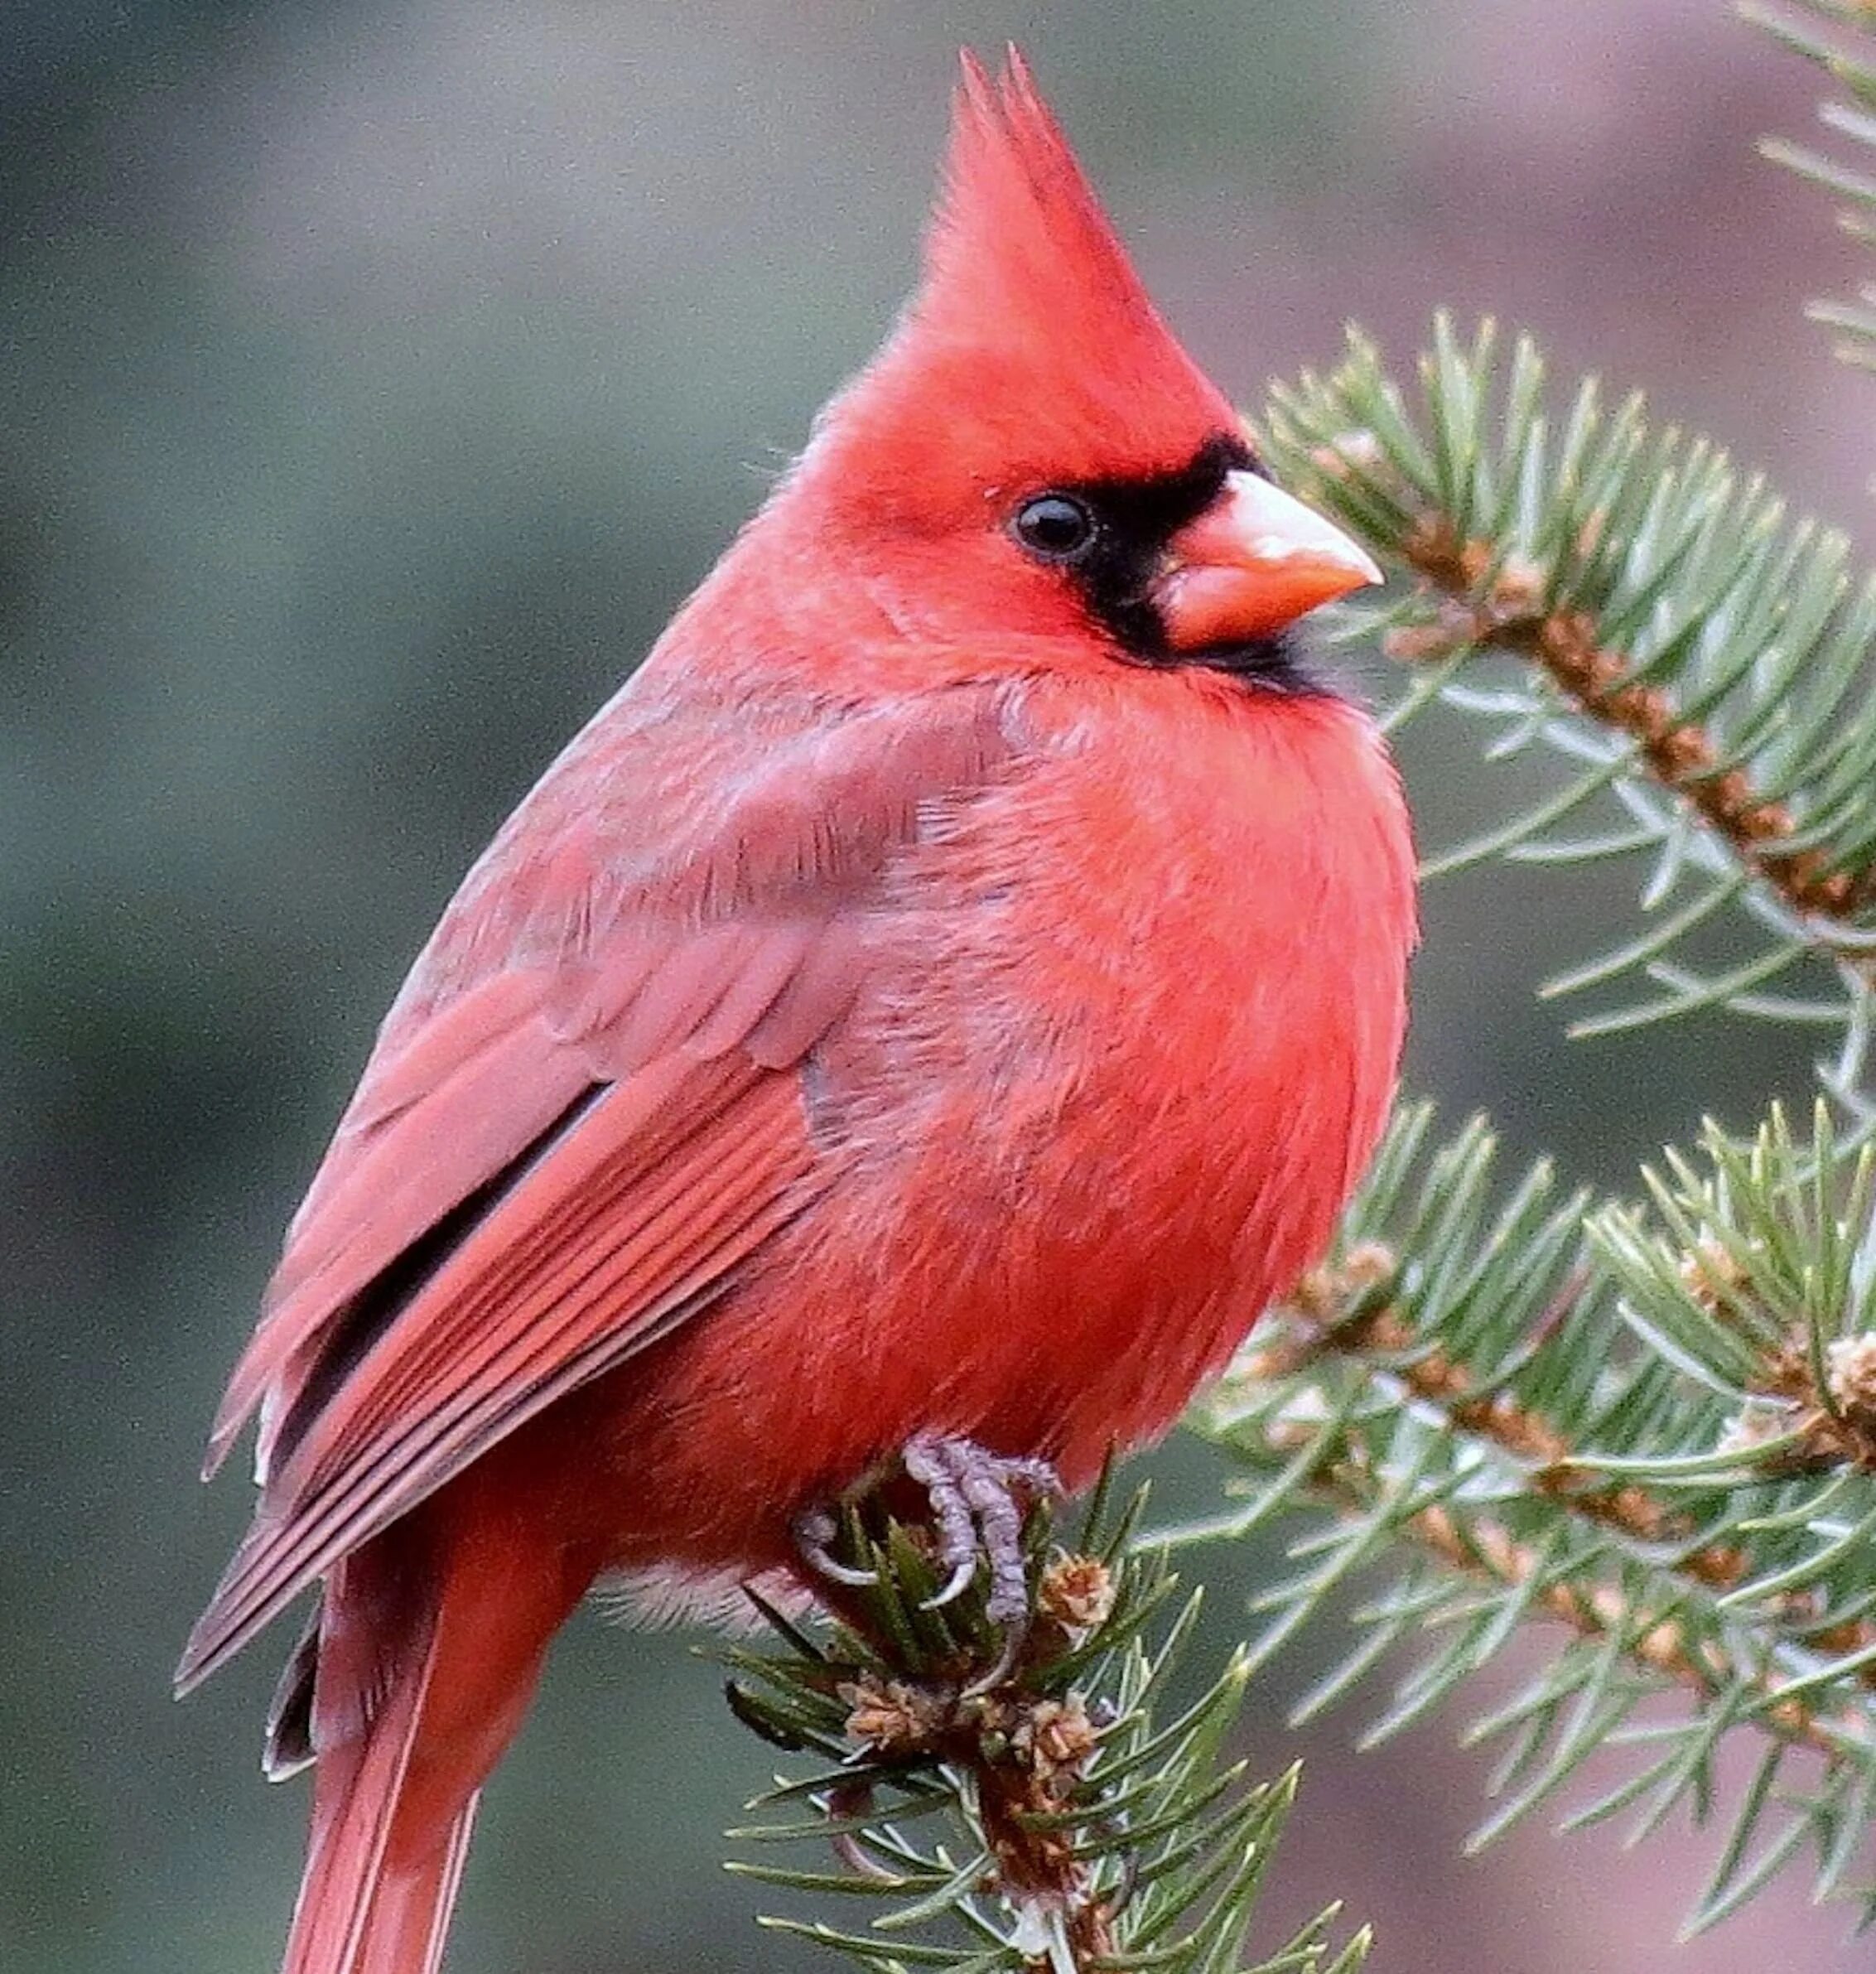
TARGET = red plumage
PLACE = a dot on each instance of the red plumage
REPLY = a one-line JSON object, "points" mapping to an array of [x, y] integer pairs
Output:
{"points": [[906, 1006]]}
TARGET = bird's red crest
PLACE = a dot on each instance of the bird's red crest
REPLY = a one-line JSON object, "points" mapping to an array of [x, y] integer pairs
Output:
{"points": [[1031, 344]]}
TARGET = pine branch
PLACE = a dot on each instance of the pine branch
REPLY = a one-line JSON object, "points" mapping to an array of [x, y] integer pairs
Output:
{"points": [[1697, 666], [1012, 1811], [1656, 1432], [1847, 52]]}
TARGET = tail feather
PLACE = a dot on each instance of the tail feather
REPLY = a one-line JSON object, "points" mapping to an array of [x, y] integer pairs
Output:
{"points": [[428, 1645], [288, 1746], [363, 1908], [401, 1923], [443, 1888]]}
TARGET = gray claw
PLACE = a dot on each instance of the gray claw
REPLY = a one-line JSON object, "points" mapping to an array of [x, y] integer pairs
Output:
{"points": [[1000, 1669], [814, 1529], [955, 1585]]}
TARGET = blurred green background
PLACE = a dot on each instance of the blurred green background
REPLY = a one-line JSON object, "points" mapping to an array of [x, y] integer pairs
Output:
{"points": [[377, 377]]}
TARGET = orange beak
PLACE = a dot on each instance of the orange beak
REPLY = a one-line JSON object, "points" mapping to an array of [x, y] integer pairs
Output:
{"points": [[1256, 560]]}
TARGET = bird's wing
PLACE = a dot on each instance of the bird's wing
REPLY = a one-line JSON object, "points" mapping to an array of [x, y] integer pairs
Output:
{"points": [[580, 1116]]}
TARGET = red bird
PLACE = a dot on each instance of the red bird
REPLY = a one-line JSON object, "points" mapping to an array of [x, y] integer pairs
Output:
{"points": [[941, 999]]}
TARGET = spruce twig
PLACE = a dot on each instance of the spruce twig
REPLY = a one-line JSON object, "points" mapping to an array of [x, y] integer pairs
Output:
{"points": [[1845, 50], [1653, 1429], [1027, 1810]]}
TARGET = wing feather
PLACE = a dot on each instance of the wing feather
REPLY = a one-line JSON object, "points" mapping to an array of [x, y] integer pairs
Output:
{"points": [[496, 1089], [675, 1177]]}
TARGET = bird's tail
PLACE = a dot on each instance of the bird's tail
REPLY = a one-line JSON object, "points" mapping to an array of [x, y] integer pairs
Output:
{"points": [[367, 1905], [406, 1722]]}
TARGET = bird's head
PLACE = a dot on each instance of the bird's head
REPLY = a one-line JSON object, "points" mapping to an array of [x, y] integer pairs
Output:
{"points": [[1032, 464]]}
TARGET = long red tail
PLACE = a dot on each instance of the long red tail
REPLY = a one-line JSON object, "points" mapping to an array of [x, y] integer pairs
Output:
{"points": [[421, 1680], [359, 1913]]}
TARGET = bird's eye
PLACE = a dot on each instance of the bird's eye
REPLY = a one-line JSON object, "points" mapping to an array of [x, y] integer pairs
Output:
{"points": [[1055, 527]]}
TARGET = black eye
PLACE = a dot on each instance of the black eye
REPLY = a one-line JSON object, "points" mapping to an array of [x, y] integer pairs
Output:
{"points": [[1054, 526]]}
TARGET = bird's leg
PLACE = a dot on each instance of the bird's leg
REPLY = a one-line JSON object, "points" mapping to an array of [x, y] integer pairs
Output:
{"points": [[973, 1495]]}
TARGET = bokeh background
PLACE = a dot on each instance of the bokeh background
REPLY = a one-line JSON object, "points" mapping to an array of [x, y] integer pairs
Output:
{"points": [[376, 376]]}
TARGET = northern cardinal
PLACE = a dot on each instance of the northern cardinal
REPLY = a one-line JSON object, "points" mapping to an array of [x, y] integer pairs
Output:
{"points": [[941, 999]]}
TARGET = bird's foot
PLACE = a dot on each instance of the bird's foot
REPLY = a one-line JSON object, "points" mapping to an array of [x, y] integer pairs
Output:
{"points": [[977, 1504], [974, 1497]]}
